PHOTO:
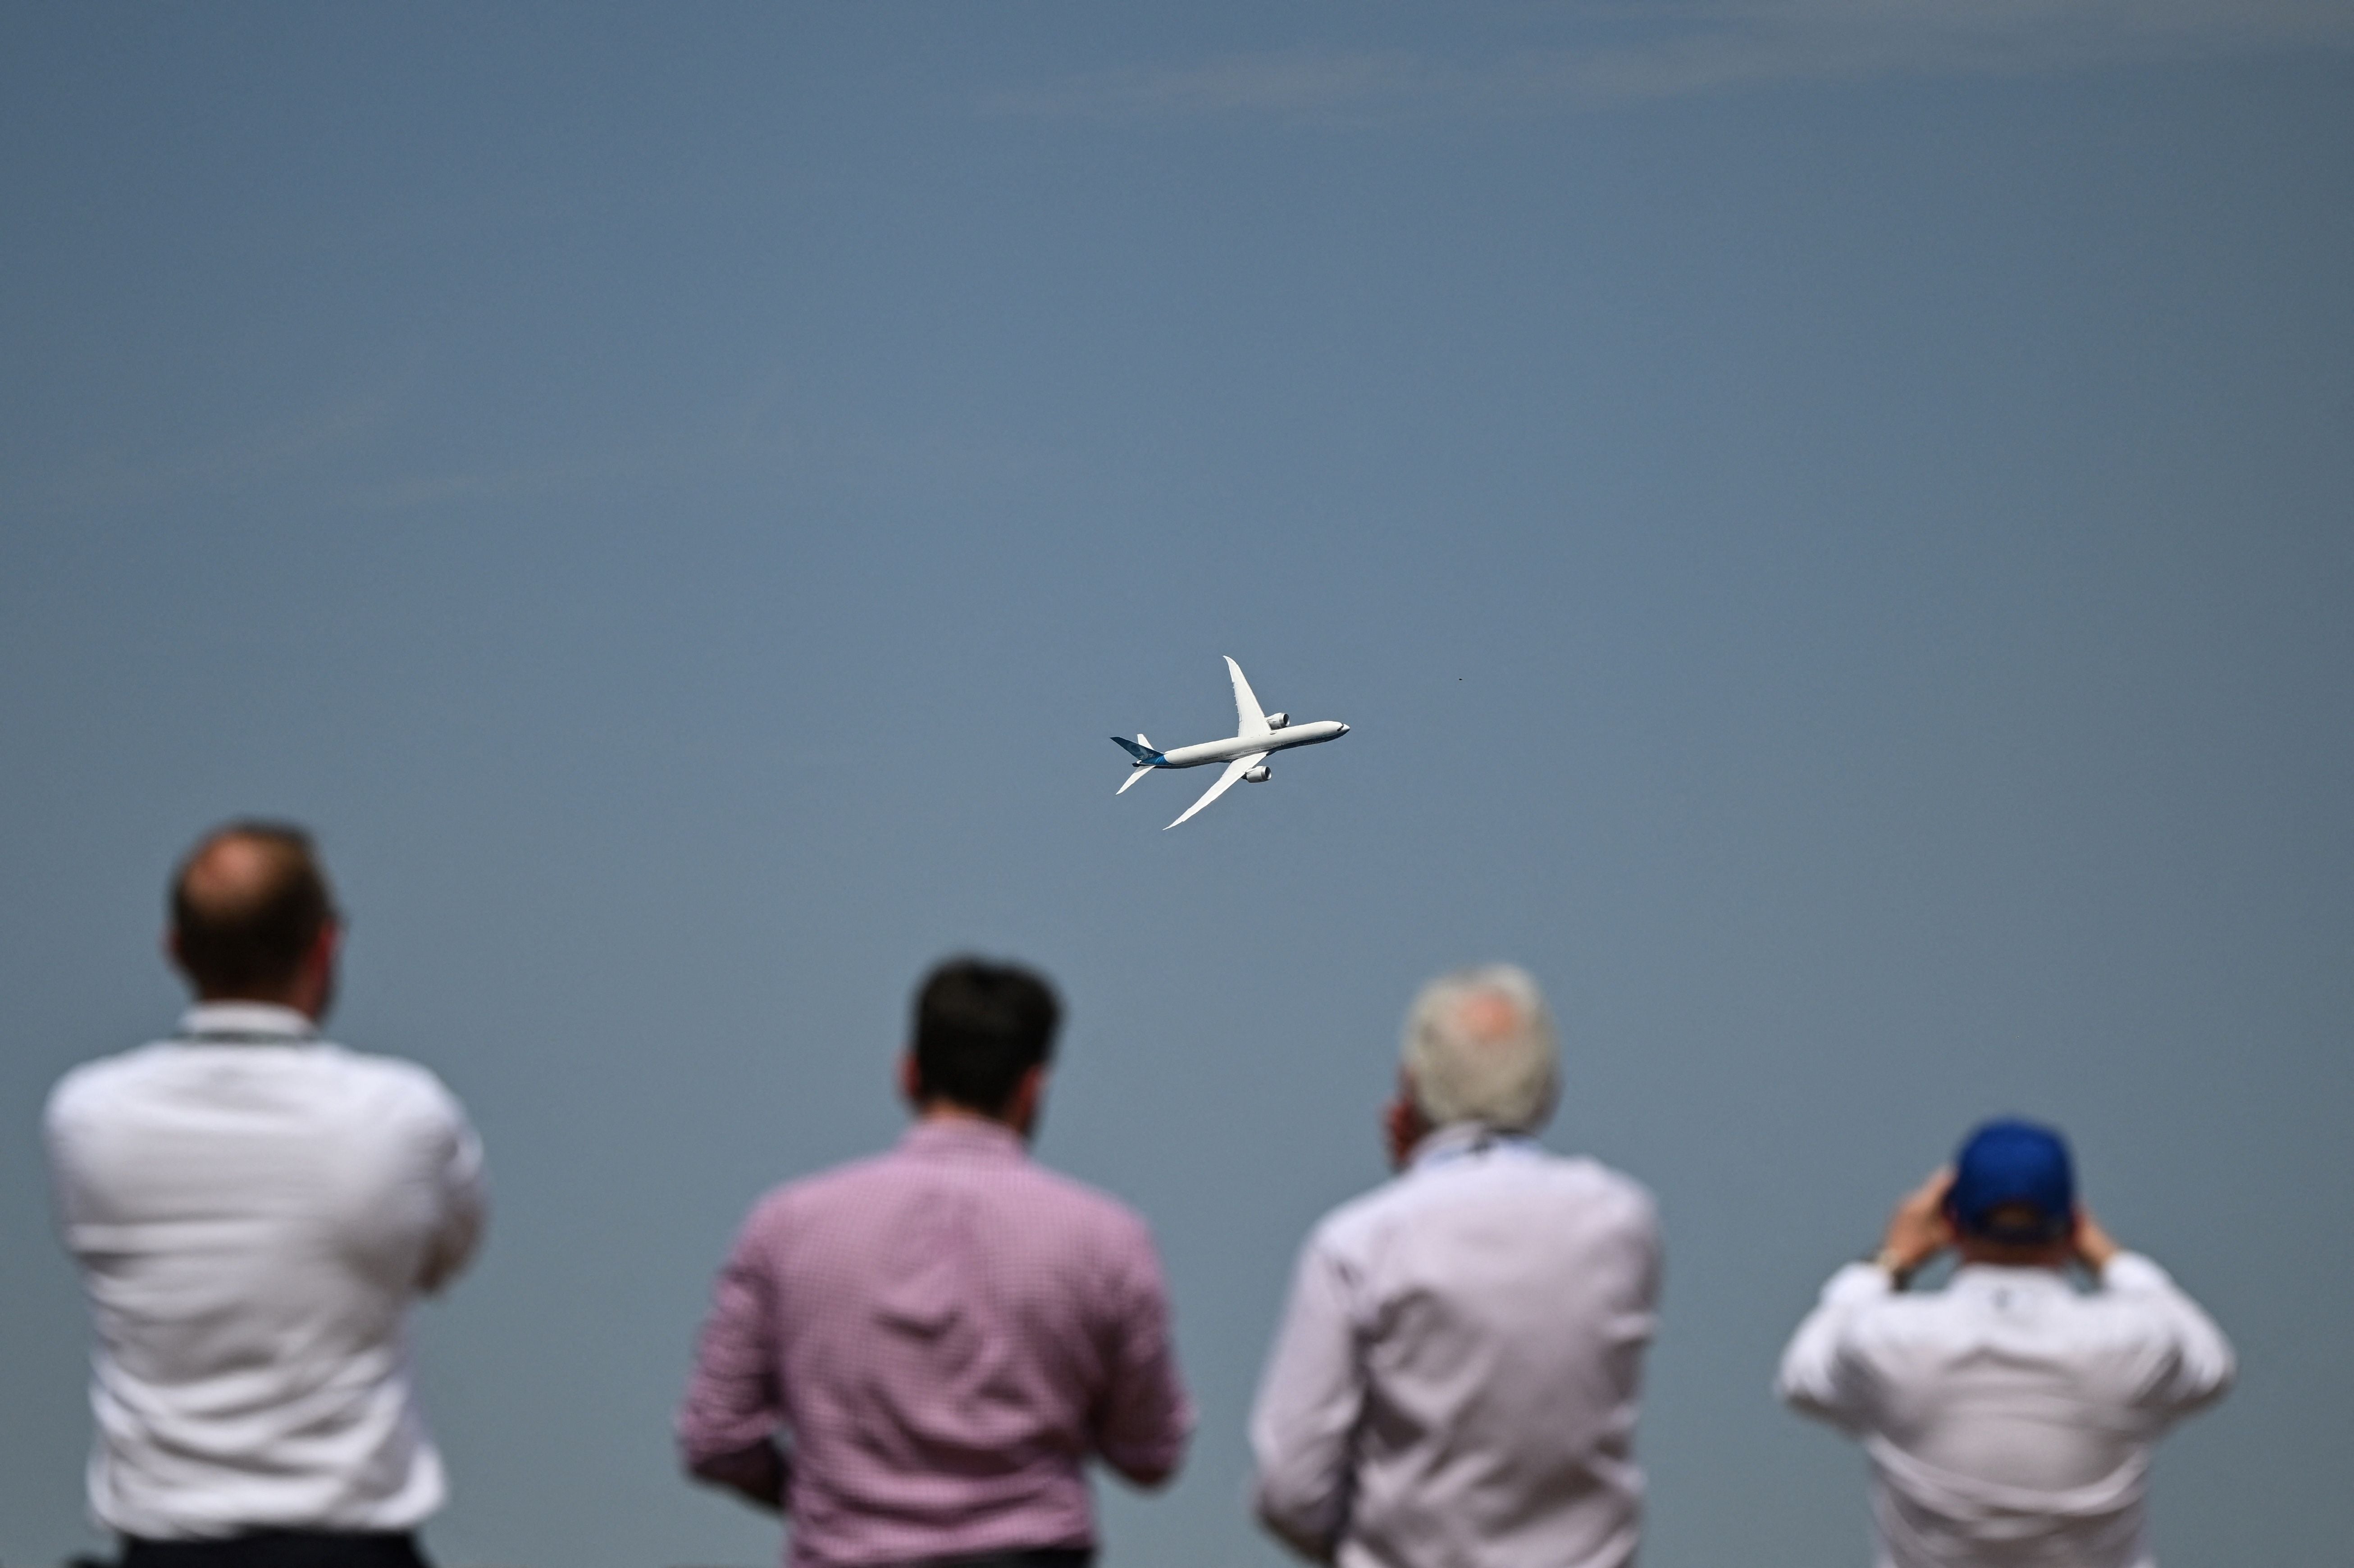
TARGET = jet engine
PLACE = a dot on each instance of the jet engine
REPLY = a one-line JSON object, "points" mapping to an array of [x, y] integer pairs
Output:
{"points": [[1277, 721], [1258, 775]]}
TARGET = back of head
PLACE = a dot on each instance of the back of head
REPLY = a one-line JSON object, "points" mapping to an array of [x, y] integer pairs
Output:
{"points": [[1479, 1047], [247, 906], [979, 1026], [2013, 1185]]}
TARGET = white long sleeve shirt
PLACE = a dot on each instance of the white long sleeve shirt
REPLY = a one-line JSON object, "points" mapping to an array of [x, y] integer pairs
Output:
{"points": [[253, 1210], [2009, 1417], [1454, 1382]]}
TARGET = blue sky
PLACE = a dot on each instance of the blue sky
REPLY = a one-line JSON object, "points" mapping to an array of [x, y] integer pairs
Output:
{"points": [[1829, 523]]}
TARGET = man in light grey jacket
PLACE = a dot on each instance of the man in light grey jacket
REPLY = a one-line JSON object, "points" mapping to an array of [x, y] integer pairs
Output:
{"points": [[1454, 1382]]}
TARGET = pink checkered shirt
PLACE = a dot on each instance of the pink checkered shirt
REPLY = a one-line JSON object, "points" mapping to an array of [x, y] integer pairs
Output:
{"points": [[945, 1333]]}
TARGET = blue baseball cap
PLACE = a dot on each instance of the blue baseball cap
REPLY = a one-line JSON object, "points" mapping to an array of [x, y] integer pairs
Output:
{"points": [[2012, 1182]]}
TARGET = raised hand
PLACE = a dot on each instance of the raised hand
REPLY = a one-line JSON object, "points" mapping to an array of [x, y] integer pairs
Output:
{"points": [[2094, 1247], [1918, 1230]]}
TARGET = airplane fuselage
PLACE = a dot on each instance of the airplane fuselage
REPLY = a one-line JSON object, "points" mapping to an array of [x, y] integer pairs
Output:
{"points": [[1256, 733], [1245, 745]]}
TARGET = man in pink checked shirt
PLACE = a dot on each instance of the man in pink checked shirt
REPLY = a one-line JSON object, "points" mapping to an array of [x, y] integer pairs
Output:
{"points": [[943, 1334]]}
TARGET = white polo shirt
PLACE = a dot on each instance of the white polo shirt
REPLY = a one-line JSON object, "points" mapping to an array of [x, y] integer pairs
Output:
{"points": [[2009, 1417], [253, 1210]]}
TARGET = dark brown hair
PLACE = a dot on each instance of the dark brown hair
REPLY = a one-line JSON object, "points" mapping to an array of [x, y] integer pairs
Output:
{"points": [[252, 932], [979, 1027]]}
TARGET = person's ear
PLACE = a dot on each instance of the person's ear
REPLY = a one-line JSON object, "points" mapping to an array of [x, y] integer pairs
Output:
{"points": [[911, 1081], [325, 947], [1022, 1111], [1402, 1123]]}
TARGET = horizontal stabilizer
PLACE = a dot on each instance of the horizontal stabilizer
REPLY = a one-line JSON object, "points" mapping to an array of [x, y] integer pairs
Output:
{"points": [[1134, 773]]}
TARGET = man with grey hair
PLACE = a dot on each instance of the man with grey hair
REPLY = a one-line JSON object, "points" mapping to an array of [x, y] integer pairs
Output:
{"points": [[1455, 1381]]}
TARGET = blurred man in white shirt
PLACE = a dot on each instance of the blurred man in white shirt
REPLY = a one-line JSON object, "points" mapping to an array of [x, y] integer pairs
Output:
{"points": [[253, 1210], [2009, 1417], [1454, 1384]]}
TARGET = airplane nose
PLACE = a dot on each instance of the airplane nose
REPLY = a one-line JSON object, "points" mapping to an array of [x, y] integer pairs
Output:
{"points": [[1344, 729]]}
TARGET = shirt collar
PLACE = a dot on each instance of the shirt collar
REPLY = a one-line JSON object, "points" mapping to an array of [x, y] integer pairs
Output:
{"points": [[1461, 1139], [964, 1137], [1976, 1277], [245, 1023]]}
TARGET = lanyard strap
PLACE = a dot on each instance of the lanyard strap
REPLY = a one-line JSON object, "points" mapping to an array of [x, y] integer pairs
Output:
{"points": [[1488, 1142]]}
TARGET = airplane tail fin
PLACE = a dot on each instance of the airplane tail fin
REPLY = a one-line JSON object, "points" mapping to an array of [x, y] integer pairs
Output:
{"points": [[1139, 748]]}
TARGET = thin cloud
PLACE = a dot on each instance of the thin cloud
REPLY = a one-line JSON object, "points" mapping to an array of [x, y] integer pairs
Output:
{"points": [[1292, 84], [1706, 48], [238, 461]]}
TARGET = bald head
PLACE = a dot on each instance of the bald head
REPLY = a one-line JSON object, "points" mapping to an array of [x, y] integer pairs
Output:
{"points": [[250, 909]]}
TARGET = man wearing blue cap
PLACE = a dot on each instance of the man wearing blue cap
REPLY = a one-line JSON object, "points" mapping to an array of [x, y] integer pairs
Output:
{"points": [[2010, 1416]]}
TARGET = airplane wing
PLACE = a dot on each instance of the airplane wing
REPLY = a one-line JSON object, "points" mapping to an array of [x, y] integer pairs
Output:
{"points": [[1249, 717], [1234, 769]]}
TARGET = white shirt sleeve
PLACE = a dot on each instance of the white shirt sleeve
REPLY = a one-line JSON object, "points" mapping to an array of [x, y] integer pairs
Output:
{"points": [[465, 1202], [1818, 1377], [2191, 1364], [1306, 1409]]}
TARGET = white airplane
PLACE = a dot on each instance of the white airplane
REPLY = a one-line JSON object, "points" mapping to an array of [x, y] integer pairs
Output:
{"points": [[1256, 735]]}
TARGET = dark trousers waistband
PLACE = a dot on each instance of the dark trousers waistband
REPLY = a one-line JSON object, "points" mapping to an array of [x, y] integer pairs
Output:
{"points": [[279, 1549], [1022, 1557]]}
